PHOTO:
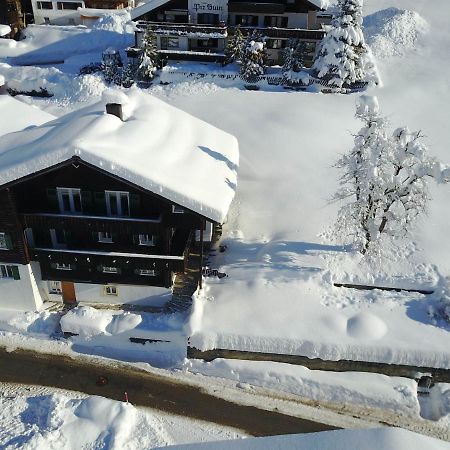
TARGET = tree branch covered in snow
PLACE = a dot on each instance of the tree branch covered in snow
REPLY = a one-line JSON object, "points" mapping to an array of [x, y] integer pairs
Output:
{"points": [[386, 176], [343, 56], [234, 47]]}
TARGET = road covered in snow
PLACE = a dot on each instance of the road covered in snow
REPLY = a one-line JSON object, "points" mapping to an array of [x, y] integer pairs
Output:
{"points": [[146, 389]]}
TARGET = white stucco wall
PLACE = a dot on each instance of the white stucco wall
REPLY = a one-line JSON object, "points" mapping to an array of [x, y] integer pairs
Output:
{"points": [[55, 15], [23, 294], [219, 7], [135, 295]]}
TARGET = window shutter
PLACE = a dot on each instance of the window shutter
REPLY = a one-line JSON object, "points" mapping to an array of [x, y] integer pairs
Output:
{"points": [[15, 272], [100, 202], [86, 201], [135, 204], [68, 237], [52, 199], [135, 239], [9, 243], [156, 240]]}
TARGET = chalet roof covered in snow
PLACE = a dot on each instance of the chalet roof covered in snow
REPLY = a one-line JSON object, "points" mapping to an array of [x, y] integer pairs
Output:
{"points": [[158, 147], [16, 115]]}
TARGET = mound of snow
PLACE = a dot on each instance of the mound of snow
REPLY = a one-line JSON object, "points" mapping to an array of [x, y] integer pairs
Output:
{"points": [[366, 325], [393, 31], [33, 323], [58, 422], [119, 22], [87, 321]]}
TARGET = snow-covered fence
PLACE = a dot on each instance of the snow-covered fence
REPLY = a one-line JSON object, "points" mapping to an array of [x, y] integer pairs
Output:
{"points": [[173, 76]]}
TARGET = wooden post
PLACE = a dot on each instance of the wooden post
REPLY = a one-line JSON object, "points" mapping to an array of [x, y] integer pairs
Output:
{"points": [[201, 255]]}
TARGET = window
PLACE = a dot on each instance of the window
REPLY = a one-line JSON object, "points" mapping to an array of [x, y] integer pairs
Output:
{"points": [[44, 5], [9, 272], [5, 242], [146, 239], [63, 266], [105, 237], [177, 209], [147, 272], [69, 5], [69, 200], [168, 43], [110, 290], [208, 18], [106, 269], [249, 21], [117, 203], [207, 43], [276, 43], [54, 287], [58, 237], [275, 21]]}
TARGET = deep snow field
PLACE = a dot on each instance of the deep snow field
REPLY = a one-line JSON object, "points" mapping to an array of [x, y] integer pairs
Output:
{"points": [[281, 259]]}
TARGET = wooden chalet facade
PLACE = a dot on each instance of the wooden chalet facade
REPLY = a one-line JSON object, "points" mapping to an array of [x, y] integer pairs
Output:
{"points": [[189, 30], [78, 232]]}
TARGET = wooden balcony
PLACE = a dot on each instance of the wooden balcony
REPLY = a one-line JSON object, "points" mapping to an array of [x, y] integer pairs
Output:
{"points": [[88, 223]]}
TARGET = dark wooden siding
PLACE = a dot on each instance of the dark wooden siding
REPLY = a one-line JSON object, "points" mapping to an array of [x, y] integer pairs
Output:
{"points": [[10, 225]]}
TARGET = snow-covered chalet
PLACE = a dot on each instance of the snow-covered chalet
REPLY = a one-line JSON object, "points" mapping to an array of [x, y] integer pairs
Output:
{"points": [[106, 204], [198, 30]]}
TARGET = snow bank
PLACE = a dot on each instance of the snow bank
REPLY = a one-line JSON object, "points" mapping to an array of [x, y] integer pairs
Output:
{"points": [[374, 439], [366, 390], [56, 421], [183, 159], [63, 87], [393, 31], [4, 29], [108, 333], [51, 43], [40, 324]]}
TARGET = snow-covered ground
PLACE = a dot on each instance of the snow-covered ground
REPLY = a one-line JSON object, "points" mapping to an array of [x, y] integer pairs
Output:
{"points": [[38, 418], [279, 295]]}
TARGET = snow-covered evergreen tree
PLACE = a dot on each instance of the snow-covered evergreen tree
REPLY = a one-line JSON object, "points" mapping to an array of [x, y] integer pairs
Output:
{"points": [[343, 56], [234, 47], [293, 59], [128, 75], [149, 57], [253, 58], [386, 176], [111, 63]]}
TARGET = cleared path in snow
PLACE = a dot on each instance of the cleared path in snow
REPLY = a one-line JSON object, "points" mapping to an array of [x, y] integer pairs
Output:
{"points": [[146, 389]]}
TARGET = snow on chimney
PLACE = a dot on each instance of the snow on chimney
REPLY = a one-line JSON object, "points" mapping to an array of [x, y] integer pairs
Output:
{"points": [[115, 109]]}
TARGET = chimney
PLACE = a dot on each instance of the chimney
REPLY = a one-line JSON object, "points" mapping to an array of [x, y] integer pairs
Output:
{"points": [[115, 109]]}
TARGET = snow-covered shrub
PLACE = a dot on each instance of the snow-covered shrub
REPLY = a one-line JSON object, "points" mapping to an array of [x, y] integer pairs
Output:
{"points": [[253, 58], [234, 47], [386, 176], [343, 56]]}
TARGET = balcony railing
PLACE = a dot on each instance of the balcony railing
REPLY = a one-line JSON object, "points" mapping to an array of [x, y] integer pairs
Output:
{"points": [[126, 225], [86, 266], [283, 33], [185, 29]]}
